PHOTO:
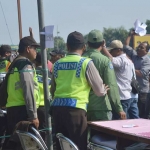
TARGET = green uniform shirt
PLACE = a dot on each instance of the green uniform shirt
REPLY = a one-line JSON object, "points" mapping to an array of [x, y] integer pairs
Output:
{"points": [[106, 71]]}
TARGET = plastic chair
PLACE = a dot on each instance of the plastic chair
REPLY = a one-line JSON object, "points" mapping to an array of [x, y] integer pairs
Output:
{"points": [[30, 141], [65, 143]]}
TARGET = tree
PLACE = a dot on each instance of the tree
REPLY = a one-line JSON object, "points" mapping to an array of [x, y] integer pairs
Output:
{"points": [[111, 34], [59, 43], [148, 26]]}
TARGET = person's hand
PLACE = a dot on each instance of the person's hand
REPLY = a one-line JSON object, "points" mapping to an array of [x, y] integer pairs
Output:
{"points": [[106, 87], [132, 33], [104, 43], [35, 122], [30, 29], [122, 115]]}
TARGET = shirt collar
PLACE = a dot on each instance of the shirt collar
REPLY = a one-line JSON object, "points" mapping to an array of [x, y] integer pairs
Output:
{"points": [[73, 53], [144, 56]]}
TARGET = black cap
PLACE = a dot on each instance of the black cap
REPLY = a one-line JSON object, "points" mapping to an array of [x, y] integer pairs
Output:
{"points": [[27, 41], [5, 48], [57, 52], [75, 38]]}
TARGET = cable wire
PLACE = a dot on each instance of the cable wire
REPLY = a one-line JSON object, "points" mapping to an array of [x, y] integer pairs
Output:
{"points": [[6, 23]]}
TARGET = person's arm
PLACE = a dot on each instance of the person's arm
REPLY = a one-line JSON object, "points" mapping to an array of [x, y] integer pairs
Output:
{"points": [[106, 53], [145, 68], [138, 73], [116, 61], [113, 93], [30, 31], [27, 84], [53, 86], [95, 81]]}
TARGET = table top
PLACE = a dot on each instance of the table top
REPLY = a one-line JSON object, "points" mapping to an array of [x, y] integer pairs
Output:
{"points": [[134, 129]]}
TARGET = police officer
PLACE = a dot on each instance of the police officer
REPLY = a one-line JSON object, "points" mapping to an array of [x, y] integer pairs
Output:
{"points": [[22, 87], [100, 108], [56, 54], [5, 52], [41, 109], [73, 76]]}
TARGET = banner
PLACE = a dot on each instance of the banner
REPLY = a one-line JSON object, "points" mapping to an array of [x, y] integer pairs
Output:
{"points": [[49, 39], [140, 39]]}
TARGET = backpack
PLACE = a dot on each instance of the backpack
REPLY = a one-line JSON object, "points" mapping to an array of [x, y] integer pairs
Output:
{"points": [[19, 63], [135, 85]]}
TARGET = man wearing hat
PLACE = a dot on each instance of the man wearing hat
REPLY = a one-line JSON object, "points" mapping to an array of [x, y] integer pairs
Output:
{"points": [[71, 97], [124, 70], [56, 55], [100, 108], [5, 53], [22, 86]]}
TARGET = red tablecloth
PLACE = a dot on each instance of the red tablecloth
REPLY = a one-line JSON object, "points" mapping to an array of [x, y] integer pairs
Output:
{"points": [[142, 126]]}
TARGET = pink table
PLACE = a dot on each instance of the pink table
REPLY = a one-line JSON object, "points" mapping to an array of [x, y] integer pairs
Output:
{"points": [[139, 133]]}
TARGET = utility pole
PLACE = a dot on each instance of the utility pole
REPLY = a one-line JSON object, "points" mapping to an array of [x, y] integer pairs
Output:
{"points": [[45, 75], [19, 19]]}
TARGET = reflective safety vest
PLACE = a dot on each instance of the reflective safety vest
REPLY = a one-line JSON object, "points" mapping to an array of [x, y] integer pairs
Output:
{"points": [[15, 92], [4, 65], [40, 81], [72, 87]]}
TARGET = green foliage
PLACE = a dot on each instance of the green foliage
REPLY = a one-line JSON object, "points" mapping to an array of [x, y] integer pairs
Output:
{"points": [[148, 26], [111, 34], [59, 43]]}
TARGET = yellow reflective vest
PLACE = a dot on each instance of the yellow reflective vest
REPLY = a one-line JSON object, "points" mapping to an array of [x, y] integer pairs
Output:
{"points": [[15, 92], [72, 88], [40, 82], [4, 65]]}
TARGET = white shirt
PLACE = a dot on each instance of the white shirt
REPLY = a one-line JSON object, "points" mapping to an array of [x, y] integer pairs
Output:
{"points": [[123, 69]]}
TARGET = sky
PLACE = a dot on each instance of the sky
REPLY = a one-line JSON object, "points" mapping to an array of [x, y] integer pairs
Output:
{"points": [[70, 15]]}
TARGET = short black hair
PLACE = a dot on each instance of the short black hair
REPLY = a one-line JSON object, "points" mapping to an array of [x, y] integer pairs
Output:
{"points": [[95, 45], [38, 58], [4, 49], [73, 47]]}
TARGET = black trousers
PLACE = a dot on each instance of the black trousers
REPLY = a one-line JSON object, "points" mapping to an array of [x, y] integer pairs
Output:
{"points": [[143, 105], [14, 115], [3, 125], [42, 122], [72, 123]]}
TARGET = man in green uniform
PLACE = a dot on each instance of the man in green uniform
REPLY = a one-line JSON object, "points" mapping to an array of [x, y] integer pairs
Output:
{"points": [[100, 108]]}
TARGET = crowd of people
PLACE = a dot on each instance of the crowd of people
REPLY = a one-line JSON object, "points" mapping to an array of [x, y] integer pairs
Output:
{"points": [[92, 82]]}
